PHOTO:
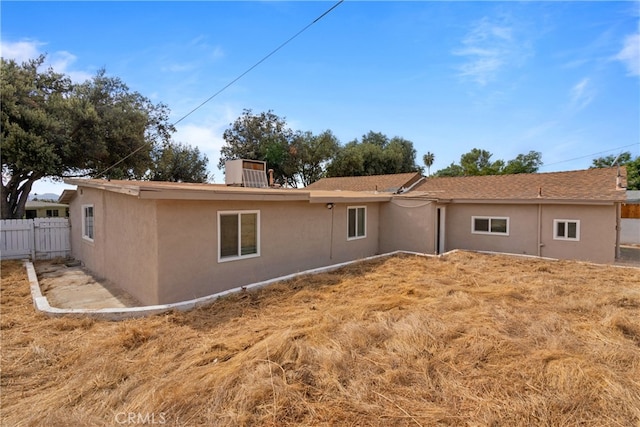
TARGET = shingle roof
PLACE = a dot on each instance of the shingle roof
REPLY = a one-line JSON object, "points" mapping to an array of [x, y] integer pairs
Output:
{"points": [[381, 183], [585, 185]]}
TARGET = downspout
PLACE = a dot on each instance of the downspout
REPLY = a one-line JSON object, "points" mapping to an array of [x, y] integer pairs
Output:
{"points": [[539, 230]]}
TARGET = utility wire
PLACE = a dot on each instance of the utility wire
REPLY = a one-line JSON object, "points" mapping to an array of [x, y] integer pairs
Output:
{"points": [[230, 83], [588, 155]]}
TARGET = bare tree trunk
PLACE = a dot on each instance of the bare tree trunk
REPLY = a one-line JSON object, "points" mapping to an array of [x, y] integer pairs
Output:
{"points": [[15, 195]]}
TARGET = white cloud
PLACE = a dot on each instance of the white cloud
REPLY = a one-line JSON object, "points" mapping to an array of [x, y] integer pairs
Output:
{"points": [[489, 48], [207, 136], [630, 54], [582, 93], [60, 61], [20, 51]]}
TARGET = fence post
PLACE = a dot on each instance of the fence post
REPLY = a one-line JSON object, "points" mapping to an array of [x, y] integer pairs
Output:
{"points": [[32, 235]]}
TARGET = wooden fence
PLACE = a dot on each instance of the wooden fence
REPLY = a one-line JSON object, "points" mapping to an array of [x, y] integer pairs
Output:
{"points": [[38, 238], [630, 210]]}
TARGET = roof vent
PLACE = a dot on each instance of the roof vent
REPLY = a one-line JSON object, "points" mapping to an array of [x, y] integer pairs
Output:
{"points": [[246, 173]]}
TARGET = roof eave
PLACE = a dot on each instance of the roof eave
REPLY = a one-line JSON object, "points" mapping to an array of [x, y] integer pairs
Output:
{"points": [[538, 201]]}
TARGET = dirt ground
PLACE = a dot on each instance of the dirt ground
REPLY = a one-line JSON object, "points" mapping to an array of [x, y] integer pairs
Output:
{"points": [[463, 340], [71, 286]]}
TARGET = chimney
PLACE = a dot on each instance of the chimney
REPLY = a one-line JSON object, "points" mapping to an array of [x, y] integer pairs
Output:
{"points": [[619, 179], [270, 177]]}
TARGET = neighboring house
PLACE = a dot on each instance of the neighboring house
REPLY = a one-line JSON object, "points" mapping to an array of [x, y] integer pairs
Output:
{"points": [[41, 209], [630, 219], [168, 242]]}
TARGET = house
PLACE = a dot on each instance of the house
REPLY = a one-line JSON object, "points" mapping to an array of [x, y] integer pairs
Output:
{"points": [[169, 242], [566, 215], [42, 209]]}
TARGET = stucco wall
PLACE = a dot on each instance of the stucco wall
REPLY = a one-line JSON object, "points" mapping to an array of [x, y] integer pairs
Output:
{"points": [[522, 238], [124, 248], [294, 236], [597, 230], [597, 233], [630, 231], [407, 225]]}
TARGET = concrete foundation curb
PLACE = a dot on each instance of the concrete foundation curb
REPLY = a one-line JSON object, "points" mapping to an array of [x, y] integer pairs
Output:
{"points": [[41, 304]]}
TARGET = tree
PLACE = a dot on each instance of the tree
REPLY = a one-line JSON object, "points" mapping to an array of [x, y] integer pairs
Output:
{"points": [[428, 161], [35, 137], [296, 157], [53, 128], [478, 162], [524, 163], [610, 161], [176, 162], [624, 159], [119, 129], [264, 137], [311, 154], [376, 154]]}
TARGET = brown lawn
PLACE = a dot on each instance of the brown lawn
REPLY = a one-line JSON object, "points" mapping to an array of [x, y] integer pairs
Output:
{"points": [[469, 339]]}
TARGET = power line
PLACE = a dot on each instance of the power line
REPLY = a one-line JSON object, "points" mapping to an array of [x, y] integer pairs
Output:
{"points": [[258, 63], [588, 155], [230, 83]]}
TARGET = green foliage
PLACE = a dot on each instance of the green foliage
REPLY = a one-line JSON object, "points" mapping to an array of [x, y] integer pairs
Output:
{"points": [[524, 163], [624, 159], [478, 162], [311, 154], [176, 162], [295, 157], [35, 138], [612, 160], [428, 160], [264, 137], [53, 128], [118, 129], [376, 154]]}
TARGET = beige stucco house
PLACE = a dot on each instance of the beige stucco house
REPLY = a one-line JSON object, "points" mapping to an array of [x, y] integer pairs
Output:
{"points": [[42, 209], [169, 242]]}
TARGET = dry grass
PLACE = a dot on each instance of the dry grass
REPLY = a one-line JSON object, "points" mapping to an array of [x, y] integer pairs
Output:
{"points": [[465, 340]]}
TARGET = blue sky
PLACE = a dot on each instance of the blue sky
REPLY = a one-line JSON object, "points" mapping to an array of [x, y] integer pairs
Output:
{"points": [[562, 78]]}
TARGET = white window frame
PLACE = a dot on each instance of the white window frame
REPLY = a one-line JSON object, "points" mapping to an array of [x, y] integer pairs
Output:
{"points": [[239, 256], [489, 218], [85, 234], [566, 229], [356, 236]]}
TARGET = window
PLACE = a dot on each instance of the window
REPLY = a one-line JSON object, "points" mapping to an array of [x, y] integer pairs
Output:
{"points": [[87, 222], [238, 235], [52, 213], [566, 229], [490, 225], [357, 222]]}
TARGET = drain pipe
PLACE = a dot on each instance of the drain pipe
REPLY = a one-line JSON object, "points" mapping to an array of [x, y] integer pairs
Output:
{"points": [[539, 230]]}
